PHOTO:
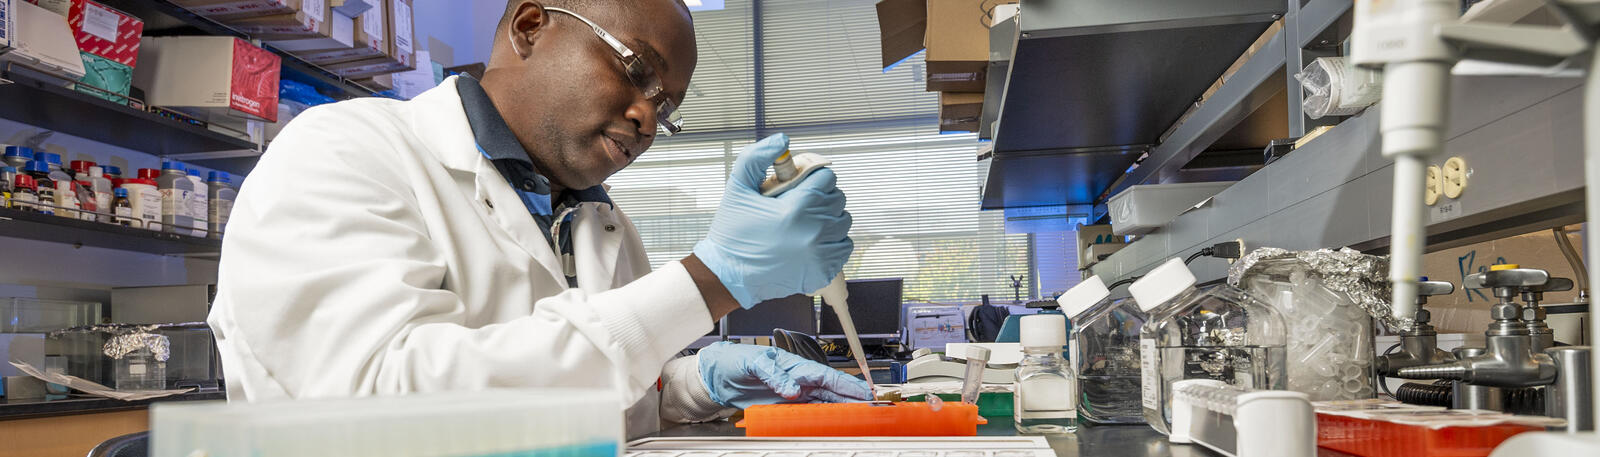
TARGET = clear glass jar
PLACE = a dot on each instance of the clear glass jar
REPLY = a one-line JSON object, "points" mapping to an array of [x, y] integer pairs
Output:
{"points": [[1218, 332], [1045, 401], [1105, 355]]}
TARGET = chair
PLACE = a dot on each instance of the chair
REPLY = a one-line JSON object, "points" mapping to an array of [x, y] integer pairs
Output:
{"points": [[129, 445], [800, 344]]}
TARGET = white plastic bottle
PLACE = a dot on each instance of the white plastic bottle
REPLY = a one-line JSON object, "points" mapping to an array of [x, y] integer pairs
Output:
{"points": [[145, 197], [1045, 398], [199, 209], [1219, 333], [103, 196], [66, 198]]}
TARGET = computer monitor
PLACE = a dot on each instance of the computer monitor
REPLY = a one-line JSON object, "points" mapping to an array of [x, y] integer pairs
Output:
{"points": [[874, 307], [795, 312]]}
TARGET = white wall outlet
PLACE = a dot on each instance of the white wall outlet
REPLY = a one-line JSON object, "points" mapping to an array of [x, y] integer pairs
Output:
{"points": [[1454, 177]]}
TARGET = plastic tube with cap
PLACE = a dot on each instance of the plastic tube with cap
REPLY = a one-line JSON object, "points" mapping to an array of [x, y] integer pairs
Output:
{"points": [[977, 359]]}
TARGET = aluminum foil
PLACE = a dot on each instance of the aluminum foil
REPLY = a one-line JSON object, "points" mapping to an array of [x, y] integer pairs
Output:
{"points": [[1362, 277], [126, 338]]}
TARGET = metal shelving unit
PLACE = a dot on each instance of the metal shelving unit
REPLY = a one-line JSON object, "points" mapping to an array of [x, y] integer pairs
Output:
{"points": [[21, 224]]}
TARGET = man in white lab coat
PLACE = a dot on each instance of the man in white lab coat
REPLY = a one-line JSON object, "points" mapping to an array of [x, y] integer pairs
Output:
{"points": [[463, 240]]}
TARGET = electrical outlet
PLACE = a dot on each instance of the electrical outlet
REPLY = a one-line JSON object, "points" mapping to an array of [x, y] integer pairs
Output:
{"points": [[1430, 194], [1453, 179]]}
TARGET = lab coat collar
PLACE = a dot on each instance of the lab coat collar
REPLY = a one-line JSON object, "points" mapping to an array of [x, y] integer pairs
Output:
{"points": [[499, 144]]}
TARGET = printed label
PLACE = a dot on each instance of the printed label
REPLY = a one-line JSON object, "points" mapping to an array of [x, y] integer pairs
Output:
{"points": [[147, 204], [1445, 212], [24, 200], [372, 23], [197, 209], [175, 202], [220, 209], [315, 9], [1149, 376], [100, 22], [402, 29], [125, 217]]}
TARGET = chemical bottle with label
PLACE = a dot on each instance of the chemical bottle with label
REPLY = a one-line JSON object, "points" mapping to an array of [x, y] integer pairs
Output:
{"points": [[44, 187], [1044, 400], [1104, 353], [1218, 332], [18, 156], [25, 193], [67, 203], [111, 172], [145, 197], [123, 209], [199, 207], [80, 168], [100, 184], [220, 185], [58, 171], [176, 192], [83, 196], [8, 179]]}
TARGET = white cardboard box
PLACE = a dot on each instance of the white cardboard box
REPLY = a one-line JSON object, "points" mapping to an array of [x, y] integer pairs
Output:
{"points": [[342, 31], [1142, 209], [42, 40], [221, 74]]}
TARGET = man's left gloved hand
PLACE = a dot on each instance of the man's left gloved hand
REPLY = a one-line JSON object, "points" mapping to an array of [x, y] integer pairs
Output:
{"points": [[740, 376]]}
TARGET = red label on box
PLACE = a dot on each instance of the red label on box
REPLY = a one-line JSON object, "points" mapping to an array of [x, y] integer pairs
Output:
{"points": [[105, 32], [255, 81]]}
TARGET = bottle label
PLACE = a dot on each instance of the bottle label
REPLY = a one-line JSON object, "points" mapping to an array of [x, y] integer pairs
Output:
{"points": [[24, 200], [1150, 377], [220, 209], [125, 216], [147, 204], [175, 202], [197, 209]]}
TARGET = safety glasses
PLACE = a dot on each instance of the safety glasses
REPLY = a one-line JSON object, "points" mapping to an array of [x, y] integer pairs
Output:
{"points": [[641, 74]]}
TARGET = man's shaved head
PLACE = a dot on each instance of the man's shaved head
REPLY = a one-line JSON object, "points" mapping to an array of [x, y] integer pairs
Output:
{"points": [[570, 98]]}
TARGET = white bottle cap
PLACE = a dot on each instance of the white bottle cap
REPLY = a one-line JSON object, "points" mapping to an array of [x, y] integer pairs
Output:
{"points": [[1082, 296], [1044, 331], [1162, 284], [978, 353], [97, 172]]}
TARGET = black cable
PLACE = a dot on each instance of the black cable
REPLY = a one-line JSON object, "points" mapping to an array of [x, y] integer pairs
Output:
{"points": [[1201, 253], [1425, 394], [1384, 380], [1123, 282]]}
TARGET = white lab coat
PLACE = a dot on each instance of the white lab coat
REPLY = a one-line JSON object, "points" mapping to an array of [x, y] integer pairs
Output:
{"points": [[375, 251]]}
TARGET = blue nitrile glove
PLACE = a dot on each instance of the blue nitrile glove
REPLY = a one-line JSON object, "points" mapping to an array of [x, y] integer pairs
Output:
{"points": [[741, 375], [762, 247]]}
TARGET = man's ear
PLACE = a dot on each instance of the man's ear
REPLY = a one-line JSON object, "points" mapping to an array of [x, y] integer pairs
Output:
{"points": [[526, 22]]}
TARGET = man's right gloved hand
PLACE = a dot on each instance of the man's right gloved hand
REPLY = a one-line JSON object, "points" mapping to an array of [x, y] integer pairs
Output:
{"points": [[762, 247]]}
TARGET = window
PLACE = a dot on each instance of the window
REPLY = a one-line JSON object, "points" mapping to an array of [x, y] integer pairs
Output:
{"points": [[914, 193]]}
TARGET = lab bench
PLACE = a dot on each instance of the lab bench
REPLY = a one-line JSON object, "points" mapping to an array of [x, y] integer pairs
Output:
{"points": [[71, 427], [1095, 441]]}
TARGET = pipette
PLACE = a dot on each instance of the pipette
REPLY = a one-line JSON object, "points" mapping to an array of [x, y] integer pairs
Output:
{"points": [[787, 171]]}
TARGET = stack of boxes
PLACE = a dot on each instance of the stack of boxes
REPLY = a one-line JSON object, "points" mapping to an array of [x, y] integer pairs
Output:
{"points": [[955, 35], [352, 38], [108, 41]]}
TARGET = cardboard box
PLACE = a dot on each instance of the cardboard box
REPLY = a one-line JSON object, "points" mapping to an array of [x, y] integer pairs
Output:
{"points": [[371, 40], [108, 76], [959, 111], [106, 32], [353, 8], [1091, 235], [61, 7], [902, 24], [221, 74], [958, 45], [233, 9], [342, 36], [402, 51], [42, 40], [310, 20]]}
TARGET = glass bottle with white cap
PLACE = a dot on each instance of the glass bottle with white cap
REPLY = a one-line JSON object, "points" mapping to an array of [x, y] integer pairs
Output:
{"points": [[1217, 332], [1105, 353], [1045, 400]]}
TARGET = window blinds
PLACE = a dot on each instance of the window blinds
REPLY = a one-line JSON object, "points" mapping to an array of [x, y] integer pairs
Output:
{"points": [[914, 193]]}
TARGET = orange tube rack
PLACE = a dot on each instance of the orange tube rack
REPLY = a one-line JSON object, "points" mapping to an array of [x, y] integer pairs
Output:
{"points": [[862, 419]]}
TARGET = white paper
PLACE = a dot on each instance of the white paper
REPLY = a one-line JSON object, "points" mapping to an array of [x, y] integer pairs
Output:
{"points": [[83, 385], [402, 28], [315, 9], [372, 23], [100, 22]]}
